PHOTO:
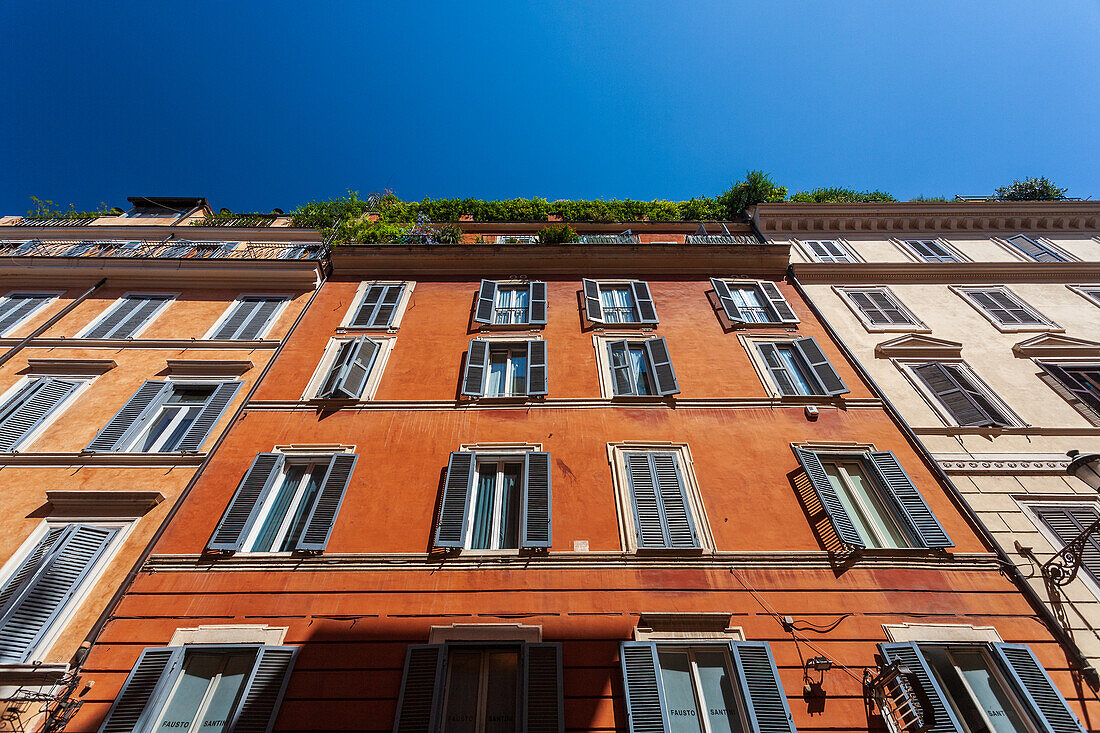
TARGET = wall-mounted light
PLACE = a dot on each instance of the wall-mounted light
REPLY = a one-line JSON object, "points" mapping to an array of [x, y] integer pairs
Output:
{"points": [[1085, 467]]}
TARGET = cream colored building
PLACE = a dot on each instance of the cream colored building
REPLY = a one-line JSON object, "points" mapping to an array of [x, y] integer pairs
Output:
{"points": [[980, 322]]}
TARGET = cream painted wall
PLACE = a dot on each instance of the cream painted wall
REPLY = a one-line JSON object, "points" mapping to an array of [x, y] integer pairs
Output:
{"points": [[973, 247]]}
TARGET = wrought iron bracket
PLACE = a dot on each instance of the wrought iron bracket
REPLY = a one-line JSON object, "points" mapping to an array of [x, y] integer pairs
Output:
{"points": [[1063, 567]]}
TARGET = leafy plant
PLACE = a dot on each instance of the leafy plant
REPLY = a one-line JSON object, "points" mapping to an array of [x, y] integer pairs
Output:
{"points": [[930, 199], [1031, 189], [44, 209], [757, 188], [557, 234], [840, 196], [450, 234], [363, 231]]}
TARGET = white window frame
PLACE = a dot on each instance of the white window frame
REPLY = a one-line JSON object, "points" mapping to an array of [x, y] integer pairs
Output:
{"points": [[482, 456], [843, 244], [398, 311], [65, 404], [995, 668], [691, 648], [905, 366], [1043, 241], [182, 381], [629, 287], [603, 364], [838, 459], [845, 292], [1085, 290], [374, 379], [169, 299], [749, 342], [50, 295], [507, 452], [739, 283], [284, 302], [512, 284], [963, 291], [915, 256], [319, 461]]}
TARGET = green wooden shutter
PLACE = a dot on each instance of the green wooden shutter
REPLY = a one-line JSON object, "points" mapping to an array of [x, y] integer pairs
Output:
{"points": [[30, 407], [1048, 706], [939, 715], [778, 302], [622, 373], [645, 696], [134, 413], [648, 514], [643, 302], [725, 299], [912, 504], [662, 515], [537, 520], [486, 299], [372, 299], [824, 372], [239, 516], [418, 705], [322, 517], [477, 366], [262, 695], [536, 303], [826, 494], [593, 309], [765, 701], [537, 370], [457, 485], [544, 711], [215, 405], [664, 376], [332, 387], [131, 710], [1087, 394]]}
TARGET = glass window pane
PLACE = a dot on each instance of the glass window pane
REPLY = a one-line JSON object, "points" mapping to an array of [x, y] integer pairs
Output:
{"points": [[198, 672], [518, 368], [795, 370], [878, 514], [498, 373], [226, 689], [305, 505], [276, 510], [751, 305], [509, 503], [640, 364], [481, 534], [163, 422], [851, 507], [501, 692], [464, 674], [683, 714], [988, 692], [718, 696]]}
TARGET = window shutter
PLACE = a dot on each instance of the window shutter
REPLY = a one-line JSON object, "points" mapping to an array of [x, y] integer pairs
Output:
{"points": [[778, 302], [486, 298], [477, 366], [643, 302], [648, 515], [135, 411], [939, 717], [674, 502], [826, 494], [593, 310], [364, 316], [18, 307], [963, 408], [234, 525], [622, 373], [451, 531], [259, 318], [27, 409], [776, 369], [418, 704], [1080, 389], [263, 692], [1067, 523], [1033, 682], [820, 366], [322, 516], [544, 711], [912, 504], [535, 530], [1035, 249], [766, 703], [537, 370], [131, 708], [662, 516], [387, 308], [231, 325], [354, 365], [211, 411], [29, 566], [663, 373], [332, 386], [725, 298], [872, 309], [126, 318], [645, 697], [536, 303]]}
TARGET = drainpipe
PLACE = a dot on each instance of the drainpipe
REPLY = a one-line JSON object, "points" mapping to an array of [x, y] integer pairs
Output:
{"points": [[1009, 568], [57, 317]]}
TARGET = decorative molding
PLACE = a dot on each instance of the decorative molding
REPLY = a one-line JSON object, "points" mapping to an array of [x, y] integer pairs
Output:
{"points": [[75, 367], [205, 368], [684, 625], [940, 633], [918, 346], [45, 674], [173, 344], [1056, 345], [313, 449], [995, 431], [102, 459], [230, 634], [485, 632], [153, 273], [962, 273], [103, 503], [1004, 464], [752, 403]]}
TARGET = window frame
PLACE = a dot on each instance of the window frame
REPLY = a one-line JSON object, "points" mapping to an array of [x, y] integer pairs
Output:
{"points": [[169, 298], [842, 244], [315, 462], [601, 343], [512, 340], [28, 440], [398, 310], [50, 297], [154, 410], [284, 301], [966, 293], [386, 344], [691, 647], [769, 304], [1091, 293], [906, 365], [1089, 412], [915, 325], [759, 363], [1039, 241], [628, 285], [993, 666], [838, 459], [499, 460], [915, 256]]}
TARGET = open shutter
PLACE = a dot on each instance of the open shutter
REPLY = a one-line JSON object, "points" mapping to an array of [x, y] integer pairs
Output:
{"points": [[593, 310], [234, 525], [1078, 388], [939, 717], [332, 387], [722, 290], [418, 705], [819, 364], [537, 371], [622, 373], [643, 302], [355, 371], [30, 407], [826, 494], [544, 711], [645, 697], [322, 516], [778, 302], [914, 506], [113, 435], [664, 376], [477, 366], [648, 514], [29, 566], [263, 692], [215, 405], [963, 408], [535, 529], [674, 501], [1036, 687], [486, 297], [536, 303], [131, 708], [18, 307], [263, 310], [780, 377], [451, 530], [765, 701], [1035, 249]]}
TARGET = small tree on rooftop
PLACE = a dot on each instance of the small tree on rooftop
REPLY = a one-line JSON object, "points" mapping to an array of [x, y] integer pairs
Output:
{"points": [[757, 188], [1031, 189]]}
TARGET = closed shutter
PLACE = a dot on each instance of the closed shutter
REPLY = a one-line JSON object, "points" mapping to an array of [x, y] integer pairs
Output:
{"points": [[765, 701], [17, 307], [661, 512], [378, 306], [819, 364], [29, 566], [263, 692], [645, 696], [238, 518], [912, 504], [826, 494], [1067, 522], [1036, 687], [215, 405], [544, 711], [536, 303], [664, 376], [780, 377], [1035, 249], [387, 308], [30, 407], [725, 298], [351, 368], [322, 516], [1080, 388], [872, 307], [418, 704], [537, 523], [255, 326], [131, 707], [451, 530], [939, 716], [477, 366], [593, 310], [958, 401], [622, 373], [643, 302], [537, 369], [126, 318], [486, 299], [240, 312], [778, 302], [136, 410]]}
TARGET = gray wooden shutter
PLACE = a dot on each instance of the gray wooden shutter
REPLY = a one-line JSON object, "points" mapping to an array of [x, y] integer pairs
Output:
{"points": [[263, 309], [322, 517], [215, 405], [1035, 249], [18, 307], [333, 384], [134, 412], [915, 508], [674, 501], [536, 303], [354, 369], [30, 566], [645, 696], [537, 369], [131, 707], [1032, 681], [372, 298], [537, 521], [387, 309], [238, 517], [486, 299], [648, 514], [263, 692], [826, 494], [419, 701], [778, 372], [778, 302], [231, 325], [593, 310], [963, 408], [544, 711], [725, 298], [643, 302], [1078, 388], [27, 409], [451, 530], [662, 515], [622, 373], [664, 376], [819, 364], [939, 716], [765, 701], [477, 366], [126, 318]]}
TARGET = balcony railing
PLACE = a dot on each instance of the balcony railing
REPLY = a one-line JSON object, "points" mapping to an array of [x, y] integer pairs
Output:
{"points": [[722, 239], [236, 220], [607, 238], [172, 249], [58, 221]]}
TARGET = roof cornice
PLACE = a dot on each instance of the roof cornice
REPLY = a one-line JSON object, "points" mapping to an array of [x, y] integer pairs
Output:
{"points": [[975, 273]]}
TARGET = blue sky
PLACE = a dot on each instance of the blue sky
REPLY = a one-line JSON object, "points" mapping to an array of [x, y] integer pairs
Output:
{"points": [[258, 105]]}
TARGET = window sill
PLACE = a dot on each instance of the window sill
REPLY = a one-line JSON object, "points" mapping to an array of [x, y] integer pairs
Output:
{"points": [[1035, 328], [600, 326], [671, 551], [106, 458], [508, 400], [31, 673], [511, 326], [641, 399], [897, 329], [367, 329]]}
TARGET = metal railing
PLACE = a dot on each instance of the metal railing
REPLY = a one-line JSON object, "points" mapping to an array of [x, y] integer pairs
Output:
{"points": [[170, 249], [55, 221], [236, 220], [722, 239], [607, 239]]}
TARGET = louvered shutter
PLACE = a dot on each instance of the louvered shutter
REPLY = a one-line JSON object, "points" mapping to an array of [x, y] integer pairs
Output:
{"points": [[662, 515], [387, 309], [477, 366], [648, 514], [126, 318], [674, 501], [355, 371], [826, 494], [871, 308], [593, 309], [238, 518], [939, 716], [136, 410], [915, 508], [544, 711], [963, 408], [418, 704], [486, 298], [1079, 388], [1067, 523], [643, 302], [778, 303], [332, 387], [622, 373], [263, 310], [537, 369], [215, 405], [239, 313], [30, 407], [819, 364], [16, 308], [778, 372], [536, 303], [645, 696], [29, 566], [1035, 249], [1036, 687], [765, 701], [372, 298], [263, 692], [536, 525], [131, 707], [725, 298], [451, 530], [664, 376], [322, 516]]}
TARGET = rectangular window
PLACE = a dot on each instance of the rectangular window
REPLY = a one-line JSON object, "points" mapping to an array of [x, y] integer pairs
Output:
{"points": [[619, 302], [880, 307], [177, 413], [15, 308], [961, 394], [800, 367], [482, 691], [1092, 292], [507, 375], [865, 504], [640, 368], [1004, 307], [30, 406], [1067, 522], [505, 369], [208, 685], [511, 304], [932, 250], [758, 301], [350, 369], [828, 250], [249, 318], [1080, 384], [379, 306], [1036, 249], [662, 512], [128, 317]]}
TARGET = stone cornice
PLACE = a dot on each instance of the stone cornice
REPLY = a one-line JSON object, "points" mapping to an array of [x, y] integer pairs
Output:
{"points": [[173, 344], [156, 233], [750, 403], [104, 503], [1055, 345], [1006, 464], [974, 273], [151, 272], [140, 460]]}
